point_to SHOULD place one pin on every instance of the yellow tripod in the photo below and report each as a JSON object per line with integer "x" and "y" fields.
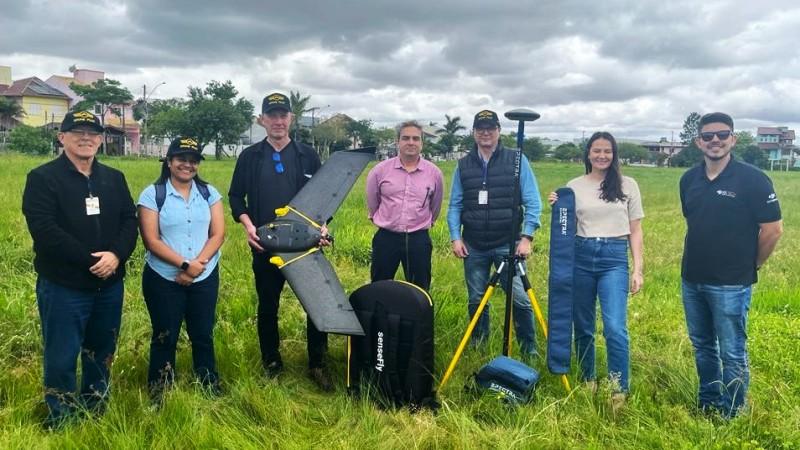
{"x": 515, "y": 263}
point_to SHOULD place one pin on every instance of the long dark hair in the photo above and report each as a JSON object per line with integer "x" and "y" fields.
{"x": 165, "y": 174}
{"x": 611, "y": 187}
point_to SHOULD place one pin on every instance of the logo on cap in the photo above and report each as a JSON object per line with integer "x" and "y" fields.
{"x": 83, "y": 116}
{"x": 486, "y": 114}
{"x": 189, "y": 143}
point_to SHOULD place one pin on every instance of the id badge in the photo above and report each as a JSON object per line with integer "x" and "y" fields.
{"x": 92, "y": 206}
{"x": 483, "y": 197}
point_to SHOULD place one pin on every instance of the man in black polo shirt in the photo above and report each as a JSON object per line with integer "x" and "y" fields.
{"x": 83, "y": 223}
{"x": 267, "y": 176}
{"x": 733, "y": 224}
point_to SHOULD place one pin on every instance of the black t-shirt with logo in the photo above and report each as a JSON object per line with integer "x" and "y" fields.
{"x": 722, "y": 218}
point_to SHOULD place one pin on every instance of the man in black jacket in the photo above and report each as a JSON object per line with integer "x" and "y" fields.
{"x": 83, "y": 223}
{"x": 267, "y": 176}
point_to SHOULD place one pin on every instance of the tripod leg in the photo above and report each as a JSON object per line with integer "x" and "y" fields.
{"x": 486, "y": 296}
{"x": 540, "y": 318}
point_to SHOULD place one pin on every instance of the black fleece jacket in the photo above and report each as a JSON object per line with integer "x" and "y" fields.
{"x": 64, "y": 236}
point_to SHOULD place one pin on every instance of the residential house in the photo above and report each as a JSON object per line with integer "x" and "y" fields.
{"x": 778, "y": 144}
{"x": 669, "y": 148}
{"x": 44, "y": 105}
{"x": 122, "y": 129}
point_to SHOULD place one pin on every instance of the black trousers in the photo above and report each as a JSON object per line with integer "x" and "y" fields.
{"x": 412, "y": 250}
{"x": 269, "y": 283}
{"x": 169, "y": 304}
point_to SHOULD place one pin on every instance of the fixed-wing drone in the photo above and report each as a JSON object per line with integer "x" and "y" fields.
{"x": 293, "y": 238}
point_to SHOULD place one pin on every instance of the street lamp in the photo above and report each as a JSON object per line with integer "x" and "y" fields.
{"x": 145, "y": 94}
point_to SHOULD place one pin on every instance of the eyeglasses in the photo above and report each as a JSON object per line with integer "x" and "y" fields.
{"x": 276, "y": 158}
{"x": 485, "y": 130}
{"x": 81, "y": 133}
{"x": 708, "y": 136}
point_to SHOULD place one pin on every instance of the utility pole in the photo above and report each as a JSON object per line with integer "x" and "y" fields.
{"x": 147, "y": 112}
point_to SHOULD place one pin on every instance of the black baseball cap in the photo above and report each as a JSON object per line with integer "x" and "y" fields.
{"x": 486, "y": 119}
{"x": 183, "y": 145}
{"x": 275, "y": 101}
{"x": 715, "y": 117}
{"x": 76, "y": 119}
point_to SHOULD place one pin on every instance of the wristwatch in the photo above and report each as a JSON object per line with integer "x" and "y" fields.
{"x": 185, "y": 264}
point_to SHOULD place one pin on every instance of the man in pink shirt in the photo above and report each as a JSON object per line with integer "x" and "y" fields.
{"x": 404, "y": 197}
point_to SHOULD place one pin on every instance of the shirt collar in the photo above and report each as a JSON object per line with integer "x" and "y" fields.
{"x": 172, "y": 191}
{"x": 399, "y": 165}
{"x": 726, "y": 172}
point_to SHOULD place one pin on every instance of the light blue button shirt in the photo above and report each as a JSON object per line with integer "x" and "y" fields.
{"x": 183, "y": 225}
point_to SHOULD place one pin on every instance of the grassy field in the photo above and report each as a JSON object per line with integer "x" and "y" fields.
{"x": 291, "y": 413}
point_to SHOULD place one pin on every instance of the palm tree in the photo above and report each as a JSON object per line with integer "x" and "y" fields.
{"x": 9, "y": 111}
{"x": 299, "y": 104}
{"x": 449, "y": 138}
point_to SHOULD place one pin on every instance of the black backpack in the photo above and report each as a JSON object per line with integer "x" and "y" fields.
{"x": 395, "y": 356}
{"x": 161, "y": 192}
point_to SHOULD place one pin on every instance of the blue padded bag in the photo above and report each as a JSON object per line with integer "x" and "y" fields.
{"x": 562, "y": 261}
{"x": 513, "y": 380}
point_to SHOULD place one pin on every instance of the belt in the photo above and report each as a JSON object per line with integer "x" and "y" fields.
{"x": 603, "y": 239}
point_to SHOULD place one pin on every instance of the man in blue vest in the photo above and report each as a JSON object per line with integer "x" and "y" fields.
{"x": 480, "y": 220}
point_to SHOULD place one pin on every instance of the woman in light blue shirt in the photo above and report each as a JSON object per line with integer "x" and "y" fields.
{"x": 182, "y": 225}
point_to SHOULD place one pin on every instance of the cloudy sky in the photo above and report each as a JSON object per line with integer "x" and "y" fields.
{"x": 636, "y": 68}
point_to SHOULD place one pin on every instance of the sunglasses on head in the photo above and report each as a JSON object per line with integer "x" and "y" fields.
{"x": 708, "y": 136}
{"x": 276, "y": 158}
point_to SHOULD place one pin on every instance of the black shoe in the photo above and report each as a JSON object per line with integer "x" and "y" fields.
{"x": 273, "y": 368}
{"x": 213, "y": 389}
{"x": 320, "y": 377}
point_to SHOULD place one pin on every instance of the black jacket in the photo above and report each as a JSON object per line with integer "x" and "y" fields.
{"x": 246, "y": 187}
{"x": 64, "y": 236}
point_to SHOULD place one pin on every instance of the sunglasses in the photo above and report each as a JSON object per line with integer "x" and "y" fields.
{"x": 708, "y": 136}
{"x": 276, "y": 158}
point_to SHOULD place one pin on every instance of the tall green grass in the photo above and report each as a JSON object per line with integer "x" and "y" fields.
{"x": 291, "y": 413}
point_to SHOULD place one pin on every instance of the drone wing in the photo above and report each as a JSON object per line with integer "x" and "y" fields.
{"x": 315, "y": 284}
{"x": 326, "y": 190}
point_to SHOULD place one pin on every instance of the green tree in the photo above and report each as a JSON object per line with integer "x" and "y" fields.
{"x": 509, "y": 140}
{"x": 215, "y": 114}
{"x": 533, "y": 148}
{"x": 449, "y": 133}
{"x": 9, "y": 111}
{"x": 631, "y": 152}
{"x": 689, "y": 156}
{"x": 107, "y": 93}
{"x": 657, "y": 158}
{"x": 326, "y": 135}
{"x": 168, "y": 123}
{"x": 690, "y": 128}
{"x": 744, "y": 139}
{"x": 27, "y": 139}
{"x": 567, "y": 152}
{"x": 752, "y": 154}
{"x": 362, "y": 133}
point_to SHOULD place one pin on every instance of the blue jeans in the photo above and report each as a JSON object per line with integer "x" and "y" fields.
{"x": 477, "y": 266}
{"x": 601, "y": 271}
{"x": 169, "y": 304}
{"x": 716, "y": 318}
{"x": 77, "y": 322}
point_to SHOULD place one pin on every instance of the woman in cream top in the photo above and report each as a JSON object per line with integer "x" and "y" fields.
{"x": 608, "y": 208}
